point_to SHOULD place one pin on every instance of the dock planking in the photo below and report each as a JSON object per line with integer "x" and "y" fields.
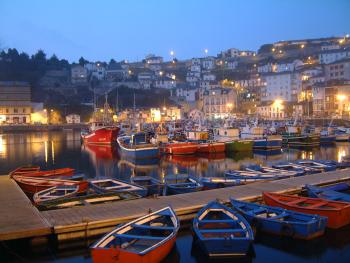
{"x": 86, "y": 221}
{"x": 18, "y": 217}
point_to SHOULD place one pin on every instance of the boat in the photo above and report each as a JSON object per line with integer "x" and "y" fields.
{"x": 221, "y": 232}
{"x": 100, "y": 133}
{"x": 212, "y": 182}
{"x": 149, "y": 238}
{"x": 317, "y": 165}
{"x": 180, "y": 184}
{"x": 24, "y": 170}
{"x": 181, "y": 148}
{"x": 320, "y": 192}
{"x": 268, "y": 142}
{"x": 86, "y": 199}
{"x": 270, "y": 170}
{"x": 211, "y": 147}
{"x": 55, "y": 193}
{"x": 116, "y": 186}
{"x": 49, "y": 173}
{"x": 280, "y": 221}
{"x": 138, "y": 146}
{"x": 300, "y": 140}
{"x": 338, "y": 213}
{"x": 254, "y": 175}
{"x": 153, "y": 185}
{"x": 289, "y": 166}
{"x": 239, "y": 145}
{"x": 32, "y": 185}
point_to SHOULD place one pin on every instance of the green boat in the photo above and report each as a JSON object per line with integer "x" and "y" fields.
{"x": 297, "y": 140}
{"x": 239, "y": 146}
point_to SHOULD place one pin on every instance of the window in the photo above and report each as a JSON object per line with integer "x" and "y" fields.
{"x": 15, "y": 110}
{"x": 7, "y": 110}
{"x": 24, "y": 110}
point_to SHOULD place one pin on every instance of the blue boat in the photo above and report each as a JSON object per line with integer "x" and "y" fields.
{"x": 212, "y": 182}
{"x": 253, "y": 176}
{"x": 221, "y": 232}
{"x": 320, "y": 192}
{"x": 327, "y": 139}
{"x": 296, "y": 167}
{"x": 138, "y": 146}
{"x": 321, "y": 165}
{"x": 282, "y": 222}
{"x": 116, "y": 186}
{"x": 153, "y": 185}
{"x": 180, "y": 184}
{"x": 272, "y": 142}
{"x": 270, "y": 170}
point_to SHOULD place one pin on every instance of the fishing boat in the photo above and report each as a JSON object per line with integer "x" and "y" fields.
{"x": 338, "y": 213}
{"x": 221, "y": 232}
{"x": 239, "y": 145}
{"x": 320, "y": 192}
{"x": 153, "y": 185}
{"x": 149, "y": 238}
{"x": 180, "y": 184}
{"x": 48, "y": 173}
{"x": 100, "y": 133}
{"x": 86, "y": 199}
{"x": 181, "y": 148}
{"x": 288, "y": 166}
{"x": 31, "y": 185}
{"x": 317, "y": 165}
{"x": 280, "y": 221}
{"x": 211, "y": 147}
{"x": 138, "y": 146}
{"x": 299, "y": 140}
{"x": 268, "y": 142}
{"x": 25, "y": 169}
{"x": 116, "y": 186}
{"x": 55, "y": 193}
{"x": 326, "y": 138}
{"x": 270, "y": 170}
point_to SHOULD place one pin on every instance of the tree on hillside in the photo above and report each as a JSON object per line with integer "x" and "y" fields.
{"x": 82, "y": 61}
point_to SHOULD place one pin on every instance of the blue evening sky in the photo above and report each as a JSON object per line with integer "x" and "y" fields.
{"x": 130, "y": 29}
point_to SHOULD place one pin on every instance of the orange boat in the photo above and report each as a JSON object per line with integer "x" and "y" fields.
{"x": 211, "y": 147}
{"x": 338, "y": 213}
{"x": 31, "y": 185}
{"x": 49, "y": 173}
{"x": 181, "y": 148}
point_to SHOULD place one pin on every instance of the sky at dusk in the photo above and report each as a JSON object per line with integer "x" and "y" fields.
{"x": 102, "y": 29}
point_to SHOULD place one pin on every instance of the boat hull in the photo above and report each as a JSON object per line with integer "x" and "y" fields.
{"x": 301, "y": 140}
{"x": 181, "y": 148}
{"x": 336, "y": 218}
{"x": 239, "y": 146}
{"x": 104, "y": 136}
{"x": 267, "y": 144}
{"x": 224, "y": 248}
{"x": 327, "y": 139}
{"x": 215, "y": 147}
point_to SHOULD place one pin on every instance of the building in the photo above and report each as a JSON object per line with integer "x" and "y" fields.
{"x": 337, "y": 99}
{"x": 318, "y": 99}
{"x": 330, "y": 56}
{"x": 116, "y": 71}
{"x": 231, "y": 63}
{"x": 282, "y": 86}
{"x": 153, "y": 59}
{"x": 185, "y": 93}
{"x": 79, "y": 74}
{"x": 99, "y": 73}
{"x": 273, "y": 110}
{"x": 208, "y": 63}
{"x": 73, "y": 118}
{"x": 145, "y": 79}
{"x": 339, "y": 69}
{"x": 165, "y": 83}
{"x": 209, "y": 77}
{"x": 195, "y": 65}
{"x": 15, "y": 102}
{"x": 219, "y": 102}
{"x": 280, "y": 66}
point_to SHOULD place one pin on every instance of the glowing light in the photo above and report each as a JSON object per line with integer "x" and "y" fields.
{"x": 172, "y": 53}
{"x": 273, "y": 49}
{"x": 206, "y": 51}
{"x": 229, "y": 105}
{"x": 45, "y": 145}
{"x": 341, "y": 97}
{"x": 302, "y": 46}
{"x": 3, "y": 150}
{"x": 101, "y": 110}
{"x": 53, "y": 151}
{"x": 164, "y": 108}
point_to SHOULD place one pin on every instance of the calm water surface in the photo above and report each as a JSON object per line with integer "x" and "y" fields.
{"x": 62, "y": 149}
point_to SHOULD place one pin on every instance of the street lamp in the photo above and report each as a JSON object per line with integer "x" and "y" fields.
{"x": 206, "y": 51}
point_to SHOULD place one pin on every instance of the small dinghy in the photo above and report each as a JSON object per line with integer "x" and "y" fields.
{"x": 153, "y": 185}
{"x": 320, "y": 192}
{"x": 149, "y": 238}
{"x": 117, "y": 186}
{"x": 282, "y": 222}
{"x": 317, "y": 165}
{"x": 221, "y": 232}
{"x": 269, "y": 170}
{"x": 296, "y": 167}
{"x": 24, "y": 170}
{"x": 211, "y": 182}
{"x": 55, "y": 193}
{"x": 180, "y": 184}
{"x": 34, "y": 172}
{"x": 254, "y": 175}
{"x": 338, "y": 213}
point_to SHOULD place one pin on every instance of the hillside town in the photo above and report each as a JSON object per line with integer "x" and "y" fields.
{"x": 306, "y": 78}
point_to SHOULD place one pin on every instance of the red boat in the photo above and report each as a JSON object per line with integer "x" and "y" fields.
{"x": 48, "y": 173}
{"x": 338, "y": 213}
{"x": 100, "y": 134}
{"x": 31, "y": 185}
{"x": 211, "y": 147}
{"x": 25, "y": 170}
{"x": 181, "y": 148}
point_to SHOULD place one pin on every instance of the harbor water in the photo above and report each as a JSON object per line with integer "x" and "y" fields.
{"x": 63, "y": 149}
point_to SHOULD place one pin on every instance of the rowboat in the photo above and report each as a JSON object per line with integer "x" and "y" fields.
{"x": 317, "y": 165}
{"x": 296, "y": 167}
{"x": 270, "y": 170}
{"x": 49, "y": 173}
{"x": 153, "y": 185}
{"x": 279, "y": 221}
{"x": 116, "y": 186}
{"x": 25, "y": 169}
{"x": 210, "y": 182}
{"x": 31, "y": 185}
{"x": 255, "y": 175}
{"x": 320, "y": 192}
{"x": 181, "y": 148}
{"x": 55, "y": 193}
{"x": 88, "y": 199}
{"x": 149, "y": 238}
{"x": 211, "y": 147}
{"x": 180, "y": 184}
{"x": 338, "y": 213}
{"x": 221, "y": 232}
{"x": 138, "y": 146}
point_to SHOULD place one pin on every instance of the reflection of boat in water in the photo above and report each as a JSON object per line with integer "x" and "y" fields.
{"x": 142, "y": 164}
{"x": 183, "y": 160}
{"x": 101, "y": 151}
{"x": 268, "y": 152}
{"x": 237, "y": 156}
{"x": 213, "y": 156}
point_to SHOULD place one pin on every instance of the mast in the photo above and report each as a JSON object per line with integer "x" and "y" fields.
{"x": 134, "y": 111}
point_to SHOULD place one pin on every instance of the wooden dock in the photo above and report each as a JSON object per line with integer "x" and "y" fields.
{"x": 88, "y": 221}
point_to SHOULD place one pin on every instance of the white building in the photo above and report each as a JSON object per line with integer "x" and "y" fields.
{"x": 73, "y": 118}
{"x": 280, "y": 66}
{"x": 99, "y": 73}
{"x": 153, "y": 59}
{"x": 208, "y": 63}
{"x": 187, "y": 93}
{"x": 330, "y": 56}
{"x": 231, "y": 63}
{"x": 339, "y": 69}
{"x": 208, "y": 77}
{"x": 195, "y": 65}
{"x": 318, "y": 99}
{"x": 165, "y": 83}
{"x": 272, "y": 110}
{"x": 145, "y": 79}
{"x": 281, "y": 86}
{"x": 330, "y": 47}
